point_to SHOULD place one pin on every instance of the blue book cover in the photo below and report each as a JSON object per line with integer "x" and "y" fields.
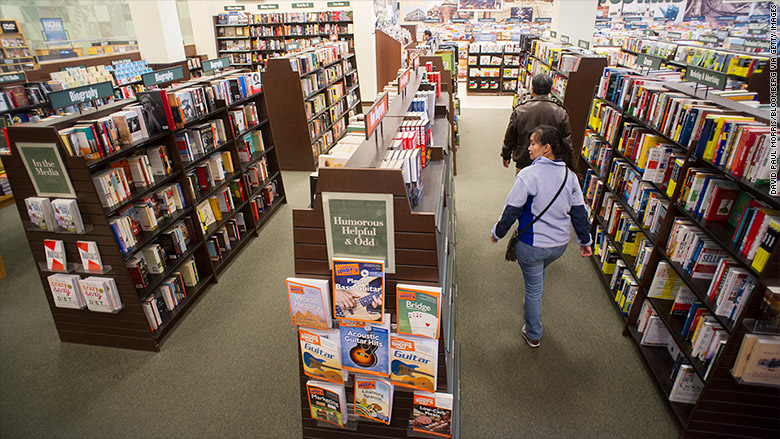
{"x": 688, "y": 320}
{"x": 365, "y": 348}
{"x": 358, "y": 288}
{"x": 706, "y": 132}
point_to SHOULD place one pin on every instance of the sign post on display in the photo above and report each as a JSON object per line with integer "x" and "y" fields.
{"x": 163, "y": 76}
{"x": 217, "y": 63}
{"x": 403, "y": 81}
{"x": 375, "y": 115}
{"x": 79, "y": 95}
{"x": 649, "y": 61}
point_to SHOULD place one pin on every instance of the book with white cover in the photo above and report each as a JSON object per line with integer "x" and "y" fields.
{"x": 90, "y": 256}
{"x": 65, "y": 291}
{"x": 309, "y": 302}
{"x": 687, "y": 385}
{"x": 56, "y": 259}
{"x": 67, "y": 215}
{"x": 41, "y": 213}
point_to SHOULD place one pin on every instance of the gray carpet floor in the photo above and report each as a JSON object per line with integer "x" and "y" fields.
{"x": 229, "y": 368}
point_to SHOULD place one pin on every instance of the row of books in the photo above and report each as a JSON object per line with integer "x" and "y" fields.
{"x": 409, "y": 161}
{"x": 494, "y": 47}
{"x": 23, "y": 95}
{"x": 61, "y": 214}
{"x": 487, "y": 72}
{"x": 596, "y": 151}
{"x": 319, "y": 57}
{"x": 171, "y": 292}
{"x": 757, "y": 359}
{"x": 56, "y": 257}
{"x": 98, "y": 138}
{"x": 97, "y": 294}
{"x": 200, "y": 139}
{"x": 282, "y": 17}
{"x": 145, "y": 215}
{"x": 225, "y": 237}
{"x": 224, "y": 201}
{"x": 249, "y": 145}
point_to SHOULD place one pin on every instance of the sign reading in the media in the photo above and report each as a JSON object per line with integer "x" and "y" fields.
{"x": 375, "y": 114}
{"x": 582, "y": 44}
{"x": 79, "y": 95}
{"x": 564, "y": 39}
{"x": 543, "y": 20}
{"x": 337, "y": 4}
{"x": 234, "y": 7}
{"x": 268, "y": 6}
{"x": 163, "y": 76}
{"x": 460, "y": 20}
{"x": 757, "y": 44}
{"x": 13, "y": 77}
{"x": 46, "y": 169}
{"x": 9, "y": 27}
{"x": 707, "y": 77}
{"x": 487, "y": 20}
{"x": 553, "y": 34}
{"x": 214, "y": 64}
{"x": 120, "y": 61}
{"x": 403, "y": 80}
{"x": 649, "y": 61}
{"x": 303, "y": 5}
{"x": 674, "y": 36}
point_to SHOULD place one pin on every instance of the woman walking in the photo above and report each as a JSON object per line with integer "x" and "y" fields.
{"x": 545, "y": 197}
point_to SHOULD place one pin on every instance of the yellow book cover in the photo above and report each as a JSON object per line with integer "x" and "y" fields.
{"x": 594, "y": 120}
{"x": 712, "y": 144}
{"x": 649, "y": 141}
{"x": 321, "y": 354}
{"x": 214, "y": 202}
{"x": 227, "y": 162}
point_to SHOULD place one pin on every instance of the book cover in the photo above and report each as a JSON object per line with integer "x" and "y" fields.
{"x": 374, "y": 399}
{"x": 359, "y": 287}
{"x": 419, "y": 310}
{"x": 100, "y": 294}
{"x": 55, "y": 254}
{"x": 432, "y": 413}
{"x": 90, "y": 256}
{"x": 321, "y": 354}
{"x": 687, "y": 385}
{"x": 309, "y": 302}
{"x": 327, "y": 402}
{"x": 40, "y": 212}
{"x": 414, "y": 362}
{"x": 365, "y": 347}
{"x": 65, "y": 291}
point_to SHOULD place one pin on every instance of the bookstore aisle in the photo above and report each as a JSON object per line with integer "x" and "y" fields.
{"x": 586, "y": 380}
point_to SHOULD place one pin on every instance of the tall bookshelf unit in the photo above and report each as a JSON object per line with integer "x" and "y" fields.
{"x": 300, "y": 143}
{"x": 15, "y": 53}
{"x": 505, "y": 74}
{"x": 424, "y": 251}
{"x": 129, "y": 327}
{"x": 725, "y": 407}
{"x": 265, "y": 35}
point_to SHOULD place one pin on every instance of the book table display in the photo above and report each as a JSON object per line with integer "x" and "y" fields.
{"x": 202, "y": 186}
{"x": 423, "y": 260}
{"x": 685, "y": 242}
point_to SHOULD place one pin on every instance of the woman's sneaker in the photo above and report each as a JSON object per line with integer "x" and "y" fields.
{"x": 532, "y": 343}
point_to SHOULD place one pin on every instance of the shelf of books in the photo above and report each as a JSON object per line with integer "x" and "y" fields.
{"x": 569, "y": 70}
{"x": 314, "y": 95}
{"x": 136, "y": 208}
{"x": 685, "y": 239}
{"x": 251, "y": 39}
{"x": 493, "y": 67}
{"x": 387, "y": 365}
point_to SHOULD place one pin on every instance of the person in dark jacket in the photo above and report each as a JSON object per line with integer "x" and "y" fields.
{"x": 539, "y": 110}
{"x": 545, "y": 240}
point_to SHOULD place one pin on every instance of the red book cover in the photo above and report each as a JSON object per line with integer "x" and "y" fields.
{"x": 203, "y": 179}
{"x": 746, "y": 145}
{"x": 722, "y": 202}
{"x": 752, "y": 231}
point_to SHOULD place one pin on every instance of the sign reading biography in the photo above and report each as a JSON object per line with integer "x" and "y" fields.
{"x": 46, "y": 169}
{"x": 163, "y": 76}
{"x": 375, "y": 114}
{"x": 217, "y": 63}
{"x": 268, "y": 6}
{"x": 707, "y": 77}
{"x": 359, "y": 226}
{"x": 79, "y": 95}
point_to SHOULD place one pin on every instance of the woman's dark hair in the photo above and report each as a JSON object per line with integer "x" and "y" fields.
{"x": 427, "y": 33}
{"x": 547, "y": 134}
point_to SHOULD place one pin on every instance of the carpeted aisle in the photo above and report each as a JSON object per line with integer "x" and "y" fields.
{"x": 586, "y": 380}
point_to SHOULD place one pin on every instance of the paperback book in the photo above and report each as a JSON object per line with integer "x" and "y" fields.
{"x": 361, "y": 284}
{"x": 41, "y": 213}
{"x": 65, "y": 291}
{"x": 101, "y": 294}
{"x": 327, "y": 402}
{"x": 419, "y": 310}
{"x": 414, "y": 362}
{"x": 365, "y": 347}
{"x": 432, "y": 413}
{"x": 374, "y": 399}
{"x": 321, "y": 354}
{"x": 309, "y": 302}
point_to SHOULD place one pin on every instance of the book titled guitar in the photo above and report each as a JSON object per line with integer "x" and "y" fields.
{"x": 364, "y": 281}
{"x": 414, "y": 362}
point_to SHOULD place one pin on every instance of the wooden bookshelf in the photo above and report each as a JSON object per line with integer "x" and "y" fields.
{"x": 286, "y": 100}
{"x": 725, "y": 408}
{"x": 503, "y": 76}
{"x": 389, "y": 58}
{"x": 424, "y": 251}
{"x": 129, "y": 328}
{"x": 16, "y": 55}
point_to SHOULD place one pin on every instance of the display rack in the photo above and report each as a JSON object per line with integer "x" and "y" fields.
{"x": 725, "y": 408}
{"x": 129, "y": 327}
{"x": 424, "y": 253}
{"x": 506, "y": 71}
{"x": 299, "y": 149}
{"x": 16, "y": 54}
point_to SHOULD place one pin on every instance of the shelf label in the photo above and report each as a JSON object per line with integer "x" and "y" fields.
{"x": 553, "y": 34}
{"x": 79, "y": 95}
{"x": 564, "y": 39}
{"x": 316, "y": 41}
{"x": 13, "y": 77}
{"x": 46, "y": 169}
{"x": 431, "y": 20}
{"x": 487, "y": 20}
{"x": 375, "y": 115}
{"x": 543, "y": 20}
{"x": 632, "y": 18}
{"x": 726, "y": 18}
{"x": 163, "y": 76}
{"x": 460, "y": 20}
{"x": 120, "y": 61}
{"x": 485, "y": 37}
{"x": 514, "y": 20}
{"x": 709, "y": 78}
{"x": 757, "y": 44}
{"x": 674, "y": 36}
{"x": 757, "y": 31}
{"x": 649, "y": 61}
{"x": 337, "y": 4}
{"x": 659, "y": 19}
{"x": 303, "y": 5}
{"x": 360, "y": 226}
{"x": 234, "y": 7}
{"x": 292, "y": 46}
{"x": 694, "y": 18}
{"x": 9, "y": 27}
{"x": 217, "y": 63}
{"x": 763, "y": 18}
{"x": 416, "y": 62}
{"x": 403, "y": 80}
{"x": 713, "y": 39}
{"x": 582, "y": 44}
{"x": 268, "y": 6}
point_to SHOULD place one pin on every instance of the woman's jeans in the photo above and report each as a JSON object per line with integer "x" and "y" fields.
{"x": 533, "y": 261}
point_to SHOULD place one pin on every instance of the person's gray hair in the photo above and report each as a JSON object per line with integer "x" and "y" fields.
{"x": 541, "y": 84}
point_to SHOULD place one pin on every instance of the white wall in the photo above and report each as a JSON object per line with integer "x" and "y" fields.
{"x": 575, "y": 18}
{"x": 159, "y": 37}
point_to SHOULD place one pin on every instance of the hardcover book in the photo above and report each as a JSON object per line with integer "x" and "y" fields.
{"x": 90, "y": 256}
{"x": 360, "y": 283}
{"x": 419, "y": 310}
{"x": 374, "y": 399}
{"x": 321, "y": 354}
{"x": 40, "y": 212}
{"x": 65, "y": 291}
{"x": 432, "y": 413}
{"x": 687, "y": 385}
{"x": 414, "y": 362}
{"x": 327, "y": 402}
{"x": 309, "y": 302}
{"x": 365, "y": 347}
{"x": 55, "y": 254}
